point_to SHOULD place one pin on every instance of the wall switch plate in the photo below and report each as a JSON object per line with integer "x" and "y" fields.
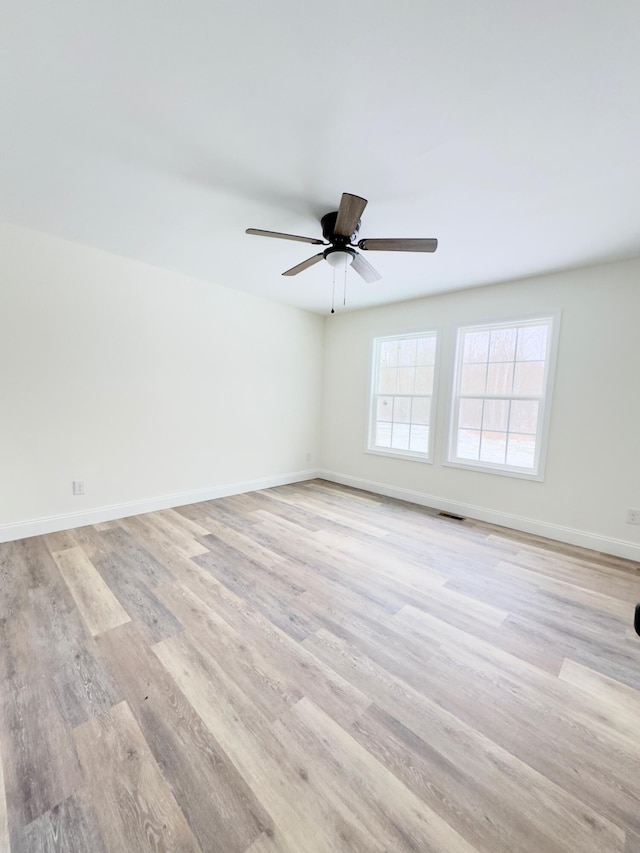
{"x": 633, "y": 516}
{"x": 78, "y": 487}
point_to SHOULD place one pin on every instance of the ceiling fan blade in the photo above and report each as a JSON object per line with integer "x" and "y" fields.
{"x": 349, "y": 213}
{"x": 305, "y": 264}
{"x": 260, "y": 233}
{"x": 400, "y": 245}
{"x": 365, "y": 270}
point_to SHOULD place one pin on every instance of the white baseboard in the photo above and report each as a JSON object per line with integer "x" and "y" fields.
{"x": 571, "y": 536}
{"x": 67, "y": 521}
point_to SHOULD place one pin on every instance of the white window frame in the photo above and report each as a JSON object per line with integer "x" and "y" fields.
{"x": 397, "y": 453}
{"x": 544, "y": 400}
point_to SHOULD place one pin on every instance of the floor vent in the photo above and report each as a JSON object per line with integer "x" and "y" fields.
{"x": 451, "y": 516}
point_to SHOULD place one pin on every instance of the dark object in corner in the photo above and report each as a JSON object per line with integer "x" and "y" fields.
{"x": 636, "y": 621}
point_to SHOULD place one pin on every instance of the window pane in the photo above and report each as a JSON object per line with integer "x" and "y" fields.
{"x": 476, "y": 347}
{"x": 496, "y": 415}
{"x": 400, "y": 436}
{"x": 470, "y": 414}
{"x": 426, "y": 350}
{"x": 383, "y": 434}
{"x": 406, "y": 377}
{"x": 524, "y": 416}
{"x": 474, "y": 378}
{"x": 521, "y": 450}
{"x": 493, "y": 447}
{"x": 529, "y": 378}
{"x": 387, "y": 380}
{"x": 403, "y": 386}
{"x": 532, "y": 343}
{"x": 401, "y": 410}
{"x": 503, "y": 345}
{"x": 407, "y": 352}
{"x": 388, "y": 353}
{"x": 384, "y": 409}
{"x": 499, "y": 378}
{"x": 499, "y": 390}
{"x": 424, "y": 380}
{"x": 420, "y": 410}
{"x": 419, "y": 440}
{"x": 468, "y": 444}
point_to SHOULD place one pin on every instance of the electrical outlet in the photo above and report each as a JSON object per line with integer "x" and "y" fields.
{"x": 633, "y": 516}
{"x": 309, "y": 456}
{"x": 78, "y": 487}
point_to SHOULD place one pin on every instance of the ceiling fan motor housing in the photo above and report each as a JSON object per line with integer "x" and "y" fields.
{"x": 328, "y": 223}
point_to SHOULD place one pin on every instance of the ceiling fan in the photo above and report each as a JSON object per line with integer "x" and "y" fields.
{"x": 340, "y": 232}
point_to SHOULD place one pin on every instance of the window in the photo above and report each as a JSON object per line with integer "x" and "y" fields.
{"x": 500, "y": 399}
{"x": 401, "y": 398}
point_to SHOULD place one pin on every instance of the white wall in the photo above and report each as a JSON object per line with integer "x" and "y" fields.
{"x": 593, "y": 461}
{"x": 142, "y": 383}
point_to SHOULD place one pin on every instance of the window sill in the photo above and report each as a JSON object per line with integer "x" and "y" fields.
{"x": 399, "y": 454}
{"x": 501, "y": 470}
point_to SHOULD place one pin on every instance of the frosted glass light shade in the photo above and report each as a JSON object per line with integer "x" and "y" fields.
{"x": 339, "y": 259}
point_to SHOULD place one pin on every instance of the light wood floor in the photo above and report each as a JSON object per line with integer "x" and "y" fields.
{"x": 312, "y": 669}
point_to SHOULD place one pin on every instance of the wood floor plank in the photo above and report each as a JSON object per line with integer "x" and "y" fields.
{"x": 535, "y": 716}
{"x": 518, "y": 804}
{"x": 260, "y": 588}
{"x": 595, "y": 578}
{"x": 230, "y": 817}
{"x": 90, "y": 539}
{"x": 506, "y": 575}
{"x": 271, "y": 843}
{"x": 519, "y": 807}
{"x": 345, "y": 549}
{"x": 48, "y": 646}
{"x": 633, "y": 843}
{"x": 4, "y": 824}
{"x": 396, "y": 818}
{"x": 270, "y": 689}
{"x": 61, "y": 540}
{"x": 158, "y": 539}
{"x": 617, "y": 700}
{"x": 25, "y": 565}
{"x": 45, "y": 644}
{"x": 381, "y": 641}
{"x": 175, "y": 528}
{"x": 159, "y": 544}
{"x": 135, "y": 807}
{"x": 131, "y": 551}
{"x": 353, "y": 570}
{"x": 40, "y": 763}
{"x": 268, "y": 566}
{"x": 69, "y": 827}
{"x": 137, "y": 597}
{"x": 311, "y": 676}
{"x": 196, "y": 530}
{"x": 99, "y": 607}
{"x": 306, "y": 813}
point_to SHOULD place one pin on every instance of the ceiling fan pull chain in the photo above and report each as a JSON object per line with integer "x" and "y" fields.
{"x": 333, "y": 292}
{"x": 344, "y": 297}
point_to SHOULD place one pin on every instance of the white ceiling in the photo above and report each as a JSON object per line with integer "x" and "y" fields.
{"x": 160, "y": 131}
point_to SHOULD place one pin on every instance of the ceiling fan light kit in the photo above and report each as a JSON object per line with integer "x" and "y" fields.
{"x": 339, "y": 258}
{"x": 340, "y": 231}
